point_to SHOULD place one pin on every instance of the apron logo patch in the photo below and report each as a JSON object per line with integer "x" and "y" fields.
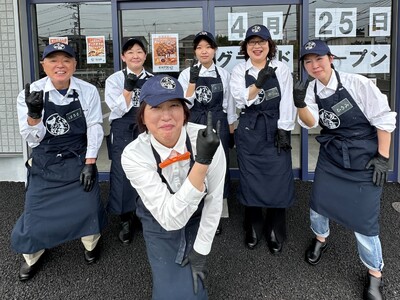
{"x": 271, "y": 93}
{"x": 261, "y": 97}
{"x": 57, "y": 125}
{"x": 216, "y": 87}
{"x": 203, "y": 94}
{"x": 73, "y": 115}
{"x": 135, "y": 97}
{"x": 341, "y": 107}
{"x": 329, "y": 119}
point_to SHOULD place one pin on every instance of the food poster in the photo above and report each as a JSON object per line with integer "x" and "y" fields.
{"x": 58, "y": 39}
{"x": 96, "y": 49}
{"x": 165, "y": 52}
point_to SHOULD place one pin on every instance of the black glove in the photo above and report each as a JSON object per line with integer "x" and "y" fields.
{"x": 381, "y": 168}
{"x": 282, "y": 140}
{"x": 299, "y": 93}
{"x": 207, "y": 142}
{"x": 231, "y": 143}
{"x": 130, "y": 82}
{"x": 266, "y": 73}
{"x": 88, "y": 176}
{"x": 34, "y": 102}
{"x": 198, "y": 265}
{"x": 194, "y": 73}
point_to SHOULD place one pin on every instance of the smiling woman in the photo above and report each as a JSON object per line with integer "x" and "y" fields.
{"x": 180, "y": 199}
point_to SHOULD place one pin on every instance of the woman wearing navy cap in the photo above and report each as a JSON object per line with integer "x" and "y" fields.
{"x": 206, "y": 86}
{"x": 60, "y": 118}
{"x": 122, "y": 97}
{"x": 353, "y": 159}
{"x": 178, "y": 169}
{"x": 262, "y": 87}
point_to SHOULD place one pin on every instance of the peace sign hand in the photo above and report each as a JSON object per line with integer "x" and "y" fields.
{"x": 299, "y": 93}
{"x": 265, "y": 73}
{"x": 34, "y": 102}
{"x": 194, "y": 72}
{"x": 207, "y": 142}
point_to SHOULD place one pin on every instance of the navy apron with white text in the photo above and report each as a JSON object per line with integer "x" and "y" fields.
{"x": 266, "y": 177}
{"x": 209, "y": 97}
{"x": 122, "y": 197}
{"x": 167, "y": 249}
{"x": 57, "y": 209}
{"x": 343, "y": 189}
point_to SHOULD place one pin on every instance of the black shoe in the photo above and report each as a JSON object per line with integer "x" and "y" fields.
{"x": 26, "y": 272}
{"x": 219, "y": 229}
{"x": 273, "y": 245}
{"x": 92, "y": 256}
{"x": 373, "y": 288}
{"x": 314, "y": 252}
{"x": 251, "y": 238}
{"x": 126, "y": 233}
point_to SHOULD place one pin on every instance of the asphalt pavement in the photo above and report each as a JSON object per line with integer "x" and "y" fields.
{"x": 234, "y": 271}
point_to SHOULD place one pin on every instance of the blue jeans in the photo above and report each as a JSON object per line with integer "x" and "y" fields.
{"x": 369, "y": 247}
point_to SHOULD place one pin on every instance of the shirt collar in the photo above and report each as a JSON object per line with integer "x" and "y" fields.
{"x": 205, "y": 70}
{"x": 163, "y": 151}
{"x": 332, "y": 84}
{"x": 128, "y": 71}
{"x": 72, "y": 85}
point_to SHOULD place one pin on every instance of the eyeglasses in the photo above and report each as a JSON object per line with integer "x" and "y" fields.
{"x": 252, "y": 43}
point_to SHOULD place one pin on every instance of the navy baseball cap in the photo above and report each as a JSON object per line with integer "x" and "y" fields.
{"x": 58, "y": 47}
{"x": 205, "y": 35}
{"x": 129, "y": 43}
{"x": 317, "y": 47}
{"x": 161, "y": 88}
{"x": 258, "y": 30}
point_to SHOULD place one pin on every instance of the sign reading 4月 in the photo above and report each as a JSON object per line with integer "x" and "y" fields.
{"x": 238, "y": 24}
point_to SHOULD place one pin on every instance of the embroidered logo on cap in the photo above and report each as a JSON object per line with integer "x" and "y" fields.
{"x": 256, "y": 28}
{"x": 59, "y": 46}
{"x": 167, "y": 83}
{"x": 203, "y": 33}
{"x": 310, "y": 45}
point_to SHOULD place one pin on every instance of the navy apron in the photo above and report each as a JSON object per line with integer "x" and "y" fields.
{"x": 122, "y": 196}
{"x": 167, "y": 249}
{"x": 209, "y": 95}
{"x": 266, "y": 177}
{"x": 57, "y": 209}
{"x": 343, "y": 189}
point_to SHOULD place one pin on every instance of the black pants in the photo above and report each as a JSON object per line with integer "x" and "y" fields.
{"x": 275, "y": 220}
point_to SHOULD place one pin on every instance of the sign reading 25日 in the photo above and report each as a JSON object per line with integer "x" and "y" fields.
{"x": 342, "y": 22}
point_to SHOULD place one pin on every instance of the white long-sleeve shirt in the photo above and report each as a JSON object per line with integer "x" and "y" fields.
{"x": 228, "y": 103}
{"x": 173, "y": 211}
{"x": 90, "y": 101}
{"x": 287, "y": 110}
{"x": 113, "y": 93}
{"x": 373, "y": 104}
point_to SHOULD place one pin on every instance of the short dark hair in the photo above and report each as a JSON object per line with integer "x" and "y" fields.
{"x": 273, "y": 49}
{"x": 140, "y": 115}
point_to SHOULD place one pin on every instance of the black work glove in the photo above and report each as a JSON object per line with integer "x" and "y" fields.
{"x": 266, "y": 73}
{"x": 282, "y": 140}
{"x": 88, "y": 176}
{"x": 130, "y": 82}
{"x": 198, "y": 265}
{"x": 194, "y": 73}
{"x": 231, "y": 143}
{"x": 381, "y": 168}
{"x": 207, "y": 142}
{"x": 34, "y": 102}
{"x": 299, "y": 93}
